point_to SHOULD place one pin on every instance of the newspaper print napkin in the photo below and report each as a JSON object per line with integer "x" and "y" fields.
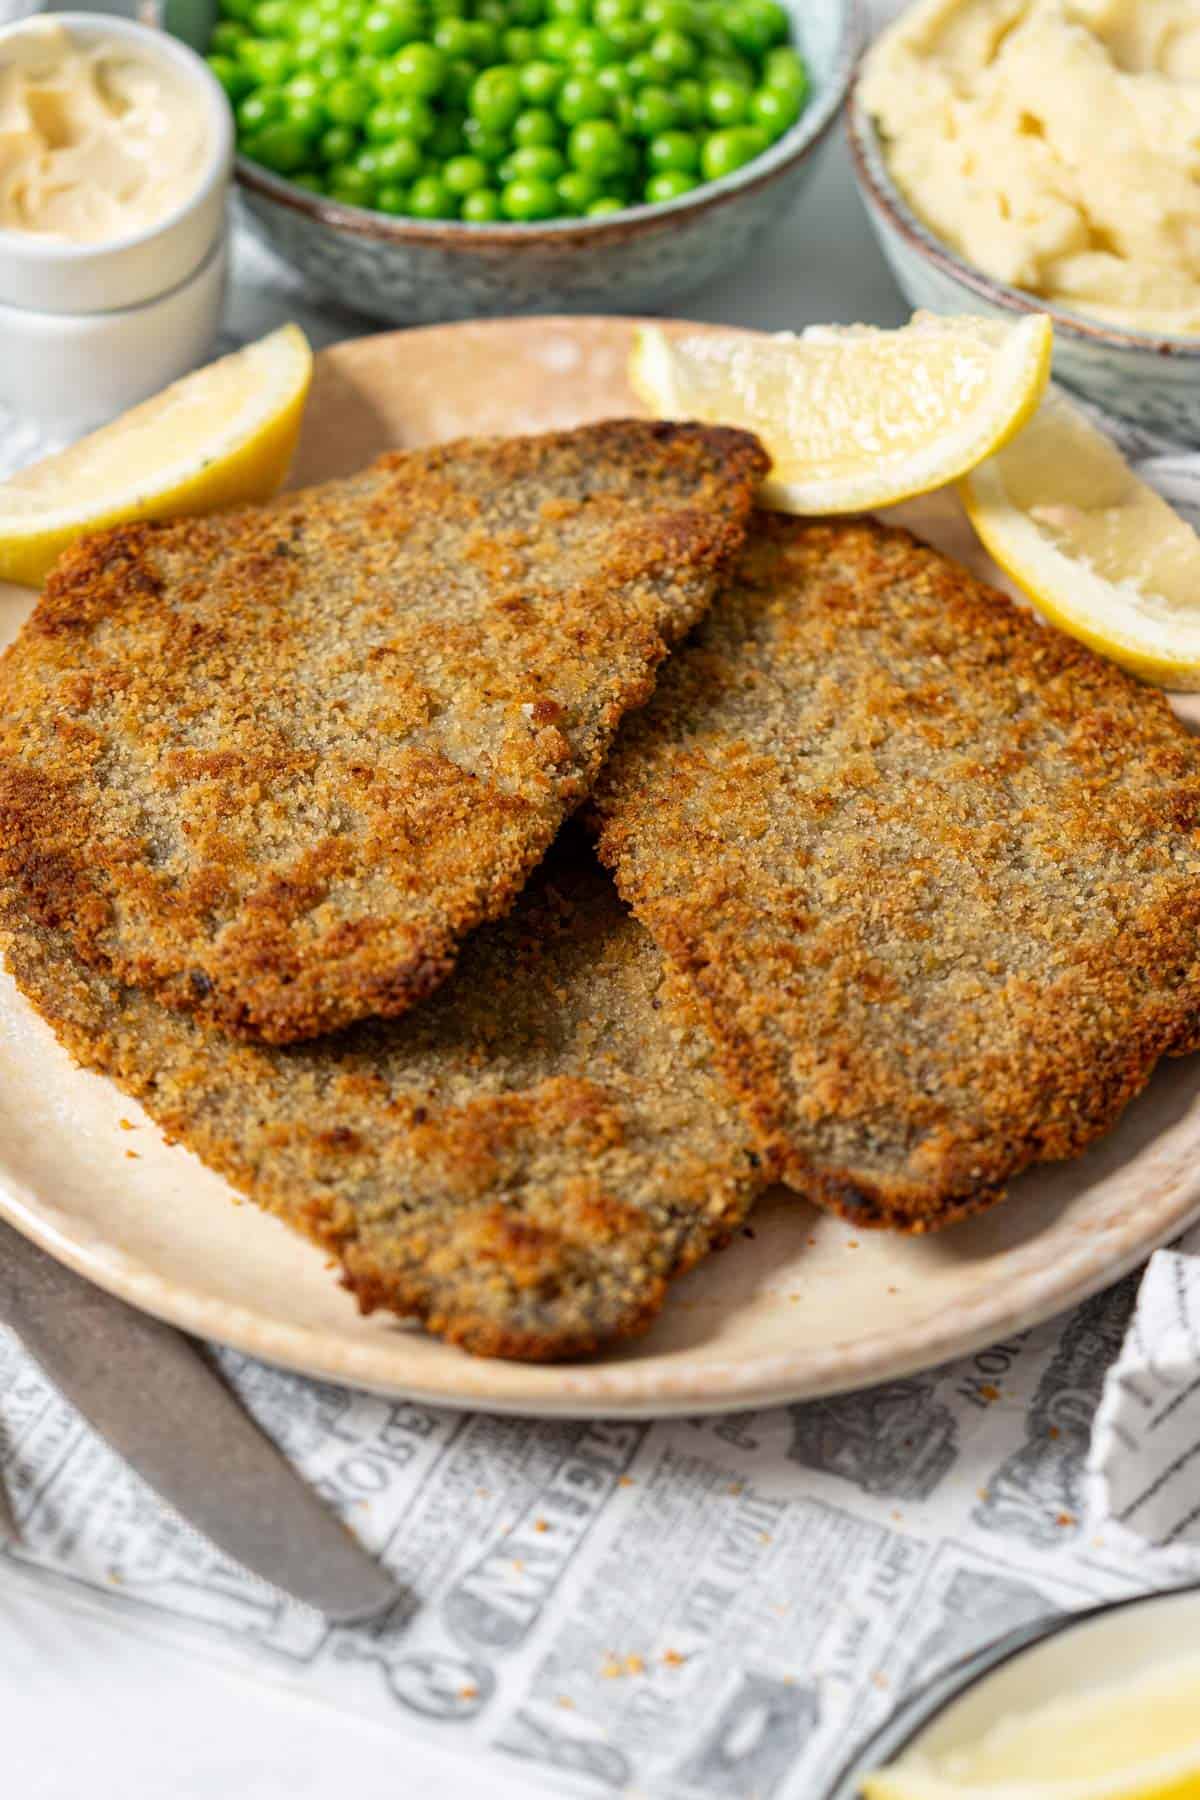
{"x": 1146, "y": 1445}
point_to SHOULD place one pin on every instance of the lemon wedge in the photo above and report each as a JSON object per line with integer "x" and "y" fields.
{"x": 1096, "y": 550}
{"x": 1137, "y": 1742}
{"x": 221, "y": 436}
{"x": 854, "y": 417}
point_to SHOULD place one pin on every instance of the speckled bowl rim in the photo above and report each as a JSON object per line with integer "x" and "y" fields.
{"x": 880, "y": 192}
{"x": 632, "y": 222}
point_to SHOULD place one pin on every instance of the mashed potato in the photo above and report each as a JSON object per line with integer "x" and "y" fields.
{"x": 1055, "y": 144}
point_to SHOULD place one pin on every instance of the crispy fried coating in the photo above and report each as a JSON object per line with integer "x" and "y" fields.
{"x": 273, "y": 765}
{"x": 521, "y": 1163}
{"x": 930, "y": 869}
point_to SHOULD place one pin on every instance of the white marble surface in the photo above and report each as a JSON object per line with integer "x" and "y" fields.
{"x": 87, "y": 1709}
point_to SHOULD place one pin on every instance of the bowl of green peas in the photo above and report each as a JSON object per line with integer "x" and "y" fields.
{"x": 425, "y": 160}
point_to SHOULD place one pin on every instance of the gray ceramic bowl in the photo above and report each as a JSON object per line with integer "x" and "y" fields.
{"x": 1152, "y": 381}
{"x": 633, "y": 261}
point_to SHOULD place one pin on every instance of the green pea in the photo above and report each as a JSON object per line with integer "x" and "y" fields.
{"x": 308, "y": 116}
{"x": 609, "y": 12}
{"x": 608, "y": 203}
{"x": 351, "y": 186}
{"x": 237, "y": 10}
{"x": 391, "y": 198}
{"x": 414, "y": 118}
{"x": 348, "y": 102}
{"x": 269, "y": 60}
{"x": 655, "y": 110}
{"x": 271, "y": 18}
{"x": 366, "y": 161}
{"x": 590, "y": 49}
{"x": 643, "y": 70}
{"x": 784, "y": 68}
{"x": 454, "y": 38}
{"x": 689, "y": 98}
{"x": 486, "y": 43}
{"x": 305, "y": 20}
{"x": 535, "y": 126}
{"x": 728, "y": 150}
{"x": 526, "y": 12}
{"x": 337, "y": 145}
{"x": 520, "y": 44}
{"x": 569, "y": 9}
{"x": 380, "y": 123}
{"x": 756, "y": 25}
{"x": 448, "y": 9}
{"x": 419, "y": 70}
{"x": 674, "y": 52}
{"x": 625, "y": 113}
{"x": 482, "y": 207}
{"x": 539, "y": 162}
{"x": 491, "y": 146}
{"x": 775, "y": 110}
{"x": 628, "y": 36}
{"x": 495, "y": 12}
{"x": 668, "y": 184}
{"x": 729, "y": 68}
{"x": 727, "y": 102}
{"x": 615, "y": 79}
{"x": 677, "y": 150}
{"x": 430, "y": 198}
{"x": 265, "y": 106}
{"x": 236, "y": 80}
{"x": 529, "y": 199}
{"x": 399, "y": 160}
{"x": 669, "y": 15}
{"x": 576, "y": 190}
{"x": 279, "y": 147}
{"x": 597, "y": 147}
{"x": 226, "y": 37}
{"x": 383, "y": 30}
{"x": 582, "y": 97}
{"x": 556, "y": 37}
{"x": 540, "y": 81}
{"x": 496, "y": 98}
{"x": 465, "y": 174}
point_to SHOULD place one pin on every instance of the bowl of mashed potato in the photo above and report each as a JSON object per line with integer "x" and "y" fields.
{"x": 1044, "y": 155}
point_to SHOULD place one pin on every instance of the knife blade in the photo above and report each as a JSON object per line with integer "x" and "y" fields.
{"x": 149, "y": 1393}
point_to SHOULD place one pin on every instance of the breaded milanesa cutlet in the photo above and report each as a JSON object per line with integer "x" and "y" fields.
{"x": 521, "y": 1163}
{"x": 930, "y": 870}
{"x": 273, "y": 765}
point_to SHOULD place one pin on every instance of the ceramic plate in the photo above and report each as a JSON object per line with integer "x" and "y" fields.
{"x": 800, "y": 1305}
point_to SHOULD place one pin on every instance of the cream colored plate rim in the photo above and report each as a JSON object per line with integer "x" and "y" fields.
{"x": 802, "y": 1308}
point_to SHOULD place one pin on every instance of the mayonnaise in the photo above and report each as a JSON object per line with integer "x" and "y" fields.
{"x": 96, "y": 142}
{"x": 1055, "y": 144}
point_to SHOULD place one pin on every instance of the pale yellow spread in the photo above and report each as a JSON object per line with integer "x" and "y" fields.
{"x": 96, "y": 142}
{"x": 1055, "y": 144}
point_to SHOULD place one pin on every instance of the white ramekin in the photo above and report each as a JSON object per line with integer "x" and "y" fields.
{"x": 68, "y": 372}
{"x": 42, "y": 275}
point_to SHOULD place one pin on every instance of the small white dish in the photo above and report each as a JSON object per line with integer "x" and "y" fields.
{"x": 45, "y": 275}
{"x": 1048, "y": 1660}
{"x": 69, "y": 372}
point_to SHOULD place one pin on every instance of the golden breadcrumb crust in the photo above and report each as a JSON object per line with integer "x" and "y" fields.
{"x": 273, "y": 765}
{"x": 930, "y": 869}
{"x": 521, "y": 1163}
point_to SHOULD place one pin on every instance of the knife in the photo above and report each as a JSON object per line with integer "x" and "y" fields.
{"x": 145, "y": 1388}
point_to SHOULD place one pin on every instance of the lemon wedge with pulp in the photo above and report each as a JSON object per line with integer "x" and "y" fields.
{"x": 221, "y": 436}
{"x": 854, "y": 417}
{"x": 1097, "y": 551}
{"x": 1137, "y": 1742}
